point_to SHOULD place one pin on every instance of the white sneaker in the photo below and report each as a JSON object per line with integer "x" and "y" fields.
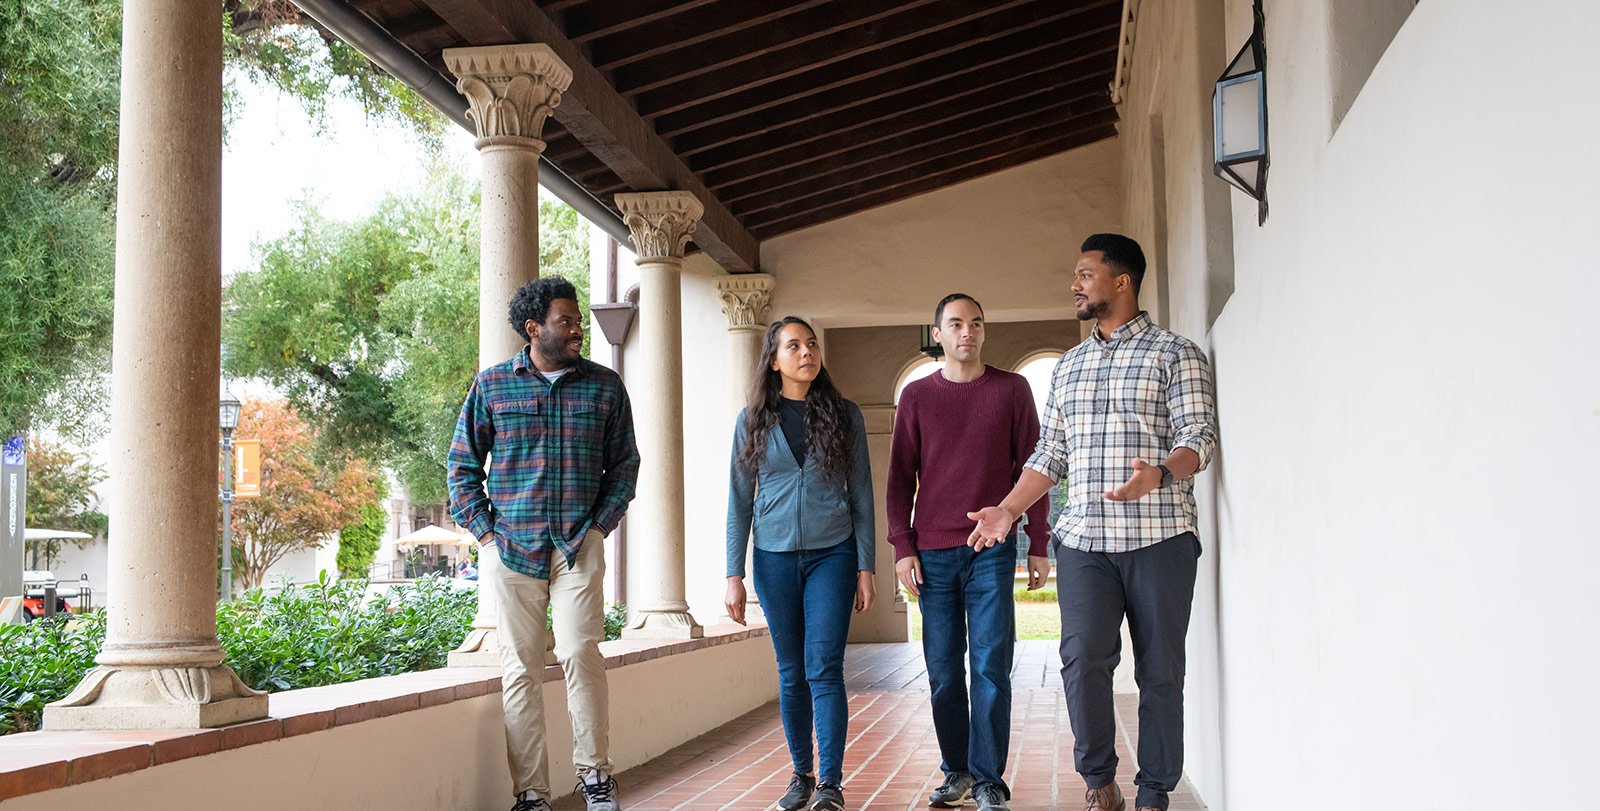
{"x": 599, "y": 791}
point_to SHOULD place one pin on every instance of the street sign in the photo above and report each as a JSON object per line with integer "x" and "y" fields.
{"x": 14, "y": 503}
{"x": 247, "y": 468}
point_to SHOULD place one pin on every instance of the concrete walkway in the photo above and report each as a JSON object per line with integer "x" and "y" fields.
{"x": 892, "y": 759}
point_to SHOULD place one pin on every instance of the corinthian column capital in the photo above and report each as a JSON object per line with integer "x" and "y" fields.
{"x": 745, "y": 297}
{"x": 510, "y": 89}
{"x": 661, "y": 222}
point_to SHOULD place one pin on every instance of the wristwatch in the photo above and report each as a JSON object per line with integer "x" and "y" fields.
{"x": 1166, "y": 476}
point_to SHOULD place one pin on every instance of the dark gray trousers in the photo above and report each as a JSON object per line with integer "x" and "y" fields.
{"x": 1154, "y": 587}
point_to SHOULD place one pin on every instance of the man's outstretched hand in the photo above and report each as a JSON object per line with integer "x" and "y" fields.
{"x": 1146, "y": 477}
{"x": 994, "y": 523}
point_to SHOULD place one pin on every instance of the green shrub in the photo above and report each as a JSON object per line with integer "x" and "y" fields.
{"x": 42, "y": 661}
{"x": 327, "y": 632}
{"x": 1039, "y": 596}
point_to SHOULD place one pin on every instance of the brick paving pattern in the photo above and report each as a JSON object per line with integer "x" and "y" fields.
{"x": 892, "y": 759}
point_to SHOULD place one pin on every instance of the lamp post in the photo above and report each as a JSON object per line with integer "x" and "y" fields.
{"x": 228, "y": 419}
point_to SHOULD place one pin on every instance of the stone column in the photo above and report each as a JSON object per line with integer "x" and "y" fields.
{"x": 744, "y": 301}
{"x": 510, "y": 90}
{"x": 662, "y": 223}
{"x": 161, "y": 666}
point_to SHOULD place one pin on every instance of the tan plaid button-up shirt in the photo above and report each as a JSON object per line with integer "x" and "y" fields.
{"x": 1141, "y": 395}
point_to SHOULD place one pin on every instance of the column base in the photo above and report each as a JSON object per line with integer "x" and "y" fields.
{"x": 157, "y": 698}
{"x": 663, "y": 625}
{"x": 481, "y": 648}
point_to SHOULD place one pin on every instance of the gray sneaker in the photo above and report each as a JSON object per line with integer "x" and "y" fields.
{"x": 955, "y": 791}
{"x": 534, "y": 803}
{"x": 991, "y": 798}
{"x": 801, "y": 787}
{"x": 599, "y": 791}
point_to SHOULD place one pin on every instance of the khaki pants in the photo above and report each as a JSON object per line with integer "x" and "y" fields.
{"x": 576, "y": 597}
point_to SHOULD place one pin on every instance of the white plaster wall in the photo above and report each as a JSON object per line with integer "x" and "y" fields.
{"x": 1408, "y": 397}
{"x": 1009, "y": 238}
{"x": 446, "y": 757}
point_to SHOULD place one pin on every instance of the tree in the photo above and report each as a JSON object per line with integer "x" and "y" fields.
{"x": 59, "y": 77}
{"x": 370, "y": 326}
{"x": 359, "y": 542}
{"x": 58, "y": 147}
{"x": 61, "y": 495}
{"x": 306, "y": 492}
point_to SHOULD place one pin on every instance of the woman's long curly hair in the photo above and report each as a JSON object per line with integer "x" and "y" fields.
{"x": 830, "y": 436}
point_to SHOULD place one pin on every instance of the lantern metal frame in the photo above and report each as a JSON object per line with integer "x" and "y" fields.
{"x": 1248, "y": 65}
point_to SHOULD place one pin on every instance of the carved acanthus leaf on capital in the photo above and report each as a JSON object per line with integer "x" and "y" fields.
{"x": 661, "y": 223}
{"x": 510, "y": 89}
{"x": 745, "y": 299}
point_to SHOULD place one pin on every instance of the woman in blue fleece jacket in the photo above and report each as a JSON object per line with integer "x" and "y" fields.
{"x": 800, "y": 485}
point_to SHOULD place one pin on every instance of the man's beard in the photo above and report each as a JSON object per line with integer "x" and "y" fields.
{"x": 1094, "y": 311}
{"x": 554, "y": 350}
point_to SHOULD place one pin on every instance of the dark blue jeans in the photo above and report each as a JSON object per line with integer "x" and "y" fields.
{"x": 966, "y": 599}
{"x": 807, "y": 597}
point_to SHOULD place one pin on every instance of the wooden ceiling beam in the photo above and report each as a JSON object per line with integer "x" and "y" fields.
{"x": 753, "y": 51}
{"x": 584, "y": 25}
{"x": 1035, "y": 112}
{"x": 710, "y": 151}
{"x": 691, "y": 30}
{"x": 945, "y": 31}
{"x": 607, "y": 126}
{"x": 1004, "y": 139}
{"x": 879, "y": 195}
{"x": 834, "y": 87}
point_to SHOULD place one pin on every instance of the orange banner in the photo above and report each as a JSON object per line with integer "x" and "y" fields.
{"x": 247, "y": 468}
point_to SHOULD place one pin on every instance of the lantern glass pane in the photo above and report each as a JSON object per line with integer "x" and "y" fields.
{"x": 1241, "y": 117}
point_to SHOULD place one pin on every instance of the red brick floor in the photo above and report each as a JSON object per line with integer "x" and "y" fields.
{"x": 892, "y": 759}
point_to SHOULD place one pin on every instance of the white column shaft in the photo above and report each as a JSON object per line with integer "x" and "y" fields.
{"x": 161, "y": 665}
{"x": 658, "y": 511}
{"x": 508, "y": 244}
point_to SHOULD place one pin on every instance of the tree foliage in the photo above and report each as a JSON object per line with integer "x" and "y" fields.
{"x": 61, "y": 495}
{"x": 307, "y": 493}
{"x": 58, "y": 148}
{"x": 370, "y": 326}
{"x": 359, "y": 542}
{"x": 59, "y": 105}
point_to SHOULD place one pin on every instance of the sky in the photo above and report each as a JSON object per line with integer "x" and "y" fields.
{"x": 275, "y": 156}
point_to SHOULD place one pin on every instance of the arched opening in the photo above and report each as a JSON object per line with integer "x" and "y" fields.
{"x": 1037, "y": 367}
{"x": 914, "y": 371}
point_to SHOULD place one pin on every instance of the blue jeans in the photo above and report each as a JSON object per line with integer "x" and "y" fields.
{"x": 967, "y": 598}
{"x": 807, "y": 597}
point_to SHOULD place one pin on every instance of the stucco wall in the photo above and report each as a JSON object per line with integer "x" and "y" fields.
{"x": 451, "y": 756}
{"x": 1010, "y": 239}
{"x": 1398, "y": 547}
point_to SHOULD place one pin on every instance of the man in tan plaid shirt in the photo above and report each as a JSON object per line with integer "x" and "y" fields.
{"x": 1130, "y": 419}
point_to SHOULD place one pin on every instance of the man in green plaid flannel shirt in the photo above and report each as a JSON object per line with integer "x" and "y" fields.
{"x": 559, "y": 431}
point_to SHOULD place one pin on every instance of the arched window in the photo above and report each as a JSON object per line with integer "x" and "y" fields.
{"x": 916, "y": 370}
{"x": 1037, "y": 368}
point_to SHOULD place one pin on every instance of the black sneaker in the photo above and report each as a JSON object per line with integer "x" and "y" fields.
{"x": 535, "y": 804}
{"x": 955, "y": 791}
{"x": 599, "y": 791}
{"x": 991, "y": 798}
{"x": 830, "y": 797}
{"x": 800, "y": 788}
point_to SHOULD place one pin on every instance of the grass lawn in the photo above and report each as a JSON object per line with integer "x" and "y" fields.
{"x": 1034, "y": 621}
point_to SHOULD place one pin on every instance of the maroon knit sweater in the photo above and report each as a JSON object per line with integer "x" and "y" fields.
{"x": 959, "y": 447}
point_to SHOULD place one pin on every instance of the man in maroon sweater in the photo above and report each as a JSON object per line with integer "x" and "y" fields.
{"x": 949, "y": 430}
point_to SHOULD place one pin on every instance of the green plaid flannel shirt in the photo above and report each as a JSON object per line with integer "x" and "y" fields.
{"x": 562, "y": 460}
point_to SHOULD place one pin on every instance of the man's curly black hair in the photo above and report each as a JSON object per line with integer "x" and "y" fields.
{"x": 532, "y": 301}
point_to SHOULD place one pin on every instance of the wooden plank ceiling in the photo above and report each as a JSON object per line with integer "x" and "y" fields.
{"x": 794, "y": 113}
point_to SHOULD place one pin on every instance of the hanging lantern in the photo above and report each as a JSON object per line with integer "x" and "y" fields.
{"x": 1239, "y": 118}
